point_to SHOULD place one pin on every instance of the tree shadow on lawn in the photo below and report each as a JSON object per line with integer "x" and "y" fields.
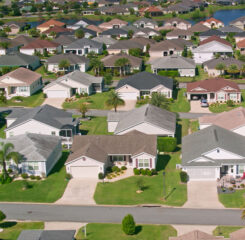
{"x": 138, "y": 229}
{"x": 58, "y": 166}
{"x": 7, "y": 224}
{"x": 178, "y": 133}
{"x": 171, "y": 192}
{"x": 162, "y": 162}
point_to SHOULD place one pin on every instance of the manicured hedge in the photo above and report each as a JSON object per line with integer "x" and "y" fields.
{"x": 166, "y": 144}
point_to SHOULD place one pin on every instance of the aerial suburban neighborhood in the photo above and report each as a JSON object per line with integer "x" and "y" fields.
{"x": 122, "y": 119}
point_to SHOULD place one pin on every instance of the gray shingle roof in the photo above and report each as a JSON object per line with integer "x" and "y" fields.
{"x": 46, "y": 114}
{"x": 30, "y": 235}
{"x": 146, "y": 81}
{"x": 81, "y": 43}
{"x": 173, "y": 62}
{"x": 126, "y": 44}
{"x": 64, "y": 40}
{"x": 146, "y": 114}
{"x": 227, "y": 61}
{"x": 114, "y": 31}
{"x": 105, "y": 40}
{"x": 212, "y": 32}
{"x": 230, "y": 29}
{"x": 210, "y": 138}
{"x": 72, "y": 58}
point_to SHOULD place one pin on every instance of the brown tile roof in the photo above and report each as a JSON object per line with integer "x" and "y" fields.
{"x": 51, "y": 23}
{"x": 24, "y": 75}
{"x": 95, "y": 28}
{"x": 99, "y": 146}
{"x": 114, "y": 21}
{"x": 39, "y": 43}
{"x": 196, "y": 235}
{"x": 143, "y": 40}
{"x": 241, "y": 44}
{"x": 150, "y": 9}
{"x": 22, "y": 40}
{"x": 217, "y": 39}
{"x": 199, "y": 27}
{"x": 57, "y": 29}
{"x": 179, "y": 32}
{"x": 212, "y": 85}
{"x": 176, "y": 44}
{"x": 109, "y": 61}
{"x": 229, "y": 120}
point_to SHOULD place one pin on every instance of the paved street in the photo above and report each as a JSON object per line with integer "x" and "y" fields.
{"x": 147, "y": 215}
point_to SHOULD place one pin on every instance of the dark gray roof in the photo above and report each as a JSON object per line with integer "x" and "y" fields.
{"x": 64, "y": 40}
{"x": 114, "y": 31}
{"x": 145, "y": 81}
{"x": 242, "y": 19}
{"x": 48, "y": 115}
{"x": 104, "y": 39}
{"x": 241, "y": 34}
{"x": 146, "y": 114}
{"x": 81, "y": 43}
{"x": 30, "y": 235}
{"x": 211, "y": 138}
{"x": 212, "y": 32}
{"x": 227, "y": 61}
{"x": 230, "y": 29}
{"x": 72, "y": 58}
{"x": 126, "y": 44}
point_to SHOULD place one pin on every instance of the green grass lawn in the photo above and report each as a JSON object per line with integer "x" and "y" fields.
{"x": 107, "y": 231}
{"x": 41, "y": 70}
{"x": 225, "y": 230}
{"x": 33, "y": 101}
{"x": 12, "y": 230}
{"x": 96, "y": 101}
{"x": 123, "y": 192}
{"x": 96, "y": 126}
{"x": 48, "y": 190}
{"x": 180, "y": 104}
{"x": 233, "y": 200}
{"x": 194, "y": 125}
{"x": 218, "y": 108}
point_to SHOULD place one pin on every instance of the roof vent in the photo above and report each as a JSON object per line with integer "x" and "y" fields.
{"x": 216, "y": 135}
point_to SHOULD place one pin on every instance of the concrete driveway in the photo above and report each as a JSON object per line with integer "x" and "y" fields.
{"x": 129, "y": 105}
{"x": 79, "y": 192}
{"x": 196, "y": 107}
{"x": 55, "y": 102}
{"x": 202, "y": 194}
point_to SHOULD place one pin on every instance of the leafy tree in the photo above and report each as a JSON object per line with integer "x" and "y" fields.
{"x": 7, "y": 154}
{"x": 85, "y": 4}
{"x": 140, "y": 184}
{"x": 184, "y": 53}
{"x": 128, "y": 225}
{"x": 130, "y": 33}
{"x": 221, "y": 67}
{"x": 33, "y": 32}
{"x": 114, "y": 100}
{"x": 3, "y": 98}
{"x": 53, "y": 34}
{"x": 159, "y": 100}
{"x": 4, "y": 45}
{"x": 132, "y": 12}
{"x": 243, "y": 69}
{"x": 97, "y": 65}
{"x": 137, "y": 52}
{"x": 64, "y": 64}
{"x": 147, "y": 15}
{"x": 83, "y": 109}
{"x": 122, "y": 63}
{"x": 33, "y": 9}
{"x": 233, "y": 69}
{"x": 79, "y": 33}
{"x": 108, "y": 78}
{"x": 7, "y": 29}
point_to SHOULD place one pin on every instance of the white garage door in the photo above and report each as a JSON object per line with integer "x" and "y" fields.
{"x": 201, "y": 173}
{"x": 85, "y": 172}
{"x": 128, "y": 96}
{"x": 57, "y": 94}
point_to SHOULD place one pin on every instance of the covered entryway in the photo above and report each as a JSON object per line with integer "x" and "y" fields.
{"x": 85, "y": 171}
{"x": 196, "y": 174}
{"x": 57, "y": 94}
{"x": 128, "y": 96}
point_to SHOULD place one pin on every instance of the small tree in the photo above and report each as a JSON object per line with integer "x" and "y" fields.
{"x": 136, "y": 52}
{"x": 97, "y": 65}
{"x": 79, "y": 33}
{"x": 122, "y": 63}
{"x": 3, "y": 98}
{"x": 140, "y": 183}
{"x": 220, "y": 67}
{"x": 233, "y": 69}
{"x": 114, "y": 100}
{"x": 64, "y": 64}
{"x": 128, "y": 224}
{"x": 184, "y": 53}
{"x": 83, "y": 109}
{"x": 4, "y": 45}
{"x": 159, "y": 100}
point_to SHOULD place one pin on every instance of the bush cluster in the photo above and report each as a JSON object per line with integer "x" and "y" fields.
{"x": 183, "y": 177}
{"x": 145, "y": 172}
{"x": 6, "y": 179}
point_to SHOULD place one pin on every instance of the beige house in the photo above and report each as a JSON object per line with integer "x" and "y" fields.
{"x": 48, "y": 24}
{"x": 239, "y": 22}
{"x": 177, "y": 23}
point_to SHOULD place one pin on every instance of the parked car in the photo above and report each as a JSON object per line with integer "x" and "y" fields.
{"x": 204, "y": 103}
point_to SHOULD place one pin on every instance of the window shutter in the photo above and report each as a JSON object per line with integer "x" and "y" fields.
{"x": 136, "y": 163}
{"x": 150, "y": 163}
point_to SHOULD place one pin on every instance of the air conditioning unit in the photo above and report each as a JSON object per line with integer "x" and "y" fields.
{"x": 178, "y": 166}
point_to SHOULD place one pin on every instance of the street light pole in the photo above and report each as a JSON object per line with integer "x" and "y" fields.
{"x": 164, "y": 185}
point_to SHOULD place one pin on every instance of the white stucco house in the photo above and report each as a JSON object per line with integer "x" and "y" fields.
{"x": 144, "y": 84}
{"x": 147, "y": 119}
{"x": 20, "y": 82}
{"x": 92, "y": 154}
{"x": 72, "y": 83}
{"x": 212, "y": 153}
{"x": 39, "y": 153}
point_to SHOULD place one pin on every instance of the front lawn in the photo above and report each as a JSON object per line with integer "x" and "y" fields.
{"x": 96, "y": 126}
{"x": 123, "y": 192}
{"x": 12, "y": 230}
{"x": 106, "y": 231}
{"x": 48, "y": 190}
{"x": 45, "y": 74}
{"x": 233, "y": 200}
{"x": 180, "y": 104}
{"x": 225, "y": 230}
{"x": 33, "y": 101}
{"x": 95, "y": 101}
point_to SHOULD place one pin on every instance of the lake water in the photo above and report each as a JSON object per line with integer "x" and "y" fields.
{"x": 226, "y": 16}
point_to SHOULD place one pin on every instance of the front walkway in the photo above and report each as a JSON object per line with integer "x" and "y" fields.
{"x": 202, "y": 194}
{"x": 79, "y": 191}
{"x": 129, "y": 173}
{"x": 196, "y": 107}
{"x": 129, "y": 105}
{"x": 55, "y": 102}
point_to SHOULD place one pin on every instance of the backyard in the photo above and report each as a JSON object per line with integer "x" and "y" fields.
{"x": 105, "y": 231}
{"x": 180, "y": 103}
{"x": 47, "y": 190}
{"x": 12, "y": 230}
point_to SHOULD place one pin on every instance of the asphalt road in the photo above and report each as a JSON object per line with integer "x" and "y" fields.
{"x": 102, "y": 214}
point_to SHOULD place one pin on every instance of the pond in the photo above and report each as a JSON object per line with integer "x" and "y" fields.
{"x": 226, "y": 16}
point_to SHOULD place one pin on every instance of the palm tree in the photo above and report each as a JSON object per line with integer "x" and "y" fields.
{"x": 122, "y": 63}
{"x": 159, "y": 100}
{"x": 233, "y": 69}
{"x": 114, "y": 100}
{"x": 7, "y": 154}
{"x": 83, "y": 108}
{"x": 220, "y": 67}
{"x": 64, "y": 64}
{"x": 97, "y": 65}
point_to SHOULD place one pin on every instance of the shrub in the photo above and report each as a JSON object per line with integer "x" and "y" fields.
{"x": 77, "y": 95}
{"x": 32, "y": 177}
{"x": 108, "y": 169}
{"x": 143, "y": 171}
{"x": 10, "y": 170}
{"x": 24, "y": 175}
{"x": 154, "y": 171}
{"x": 115, "y": 169}
{"x": 38, "y": 178}
{"x": 6, "y": 179}
{"x": 101, "y": 176}
{"x": 231, "y": 188}
{"x": 167, "y": 144}
{"x": 140, "y": 183}
{"x": 128, "y": 225}
{"x": 136, "y": 171}
{"x": 149, "y": 172}
{"x": 183, "y": 177}
{"x": 68, "y": 176}
{"x": 234, "y": 185}
{"x": 242, "y": 185}
{"x": 25, "y": 185}
{"x": 123, "y": 168}
{"x": 2, "y": 216}
{"x": 230, "y": 103}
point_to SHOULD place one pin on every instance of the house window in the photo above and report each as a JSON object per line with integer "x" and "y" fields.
{"x": 233, "y": 96}
{"x": 221, "y": 96}
{"x": 53, "y": 133}
{"x": 117, "y": 158}
{"x": 144, "y": 163}
{"x": 33, "y": 166}
{"x": 241, "y": 169}
{"x": 23, "y": 89}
